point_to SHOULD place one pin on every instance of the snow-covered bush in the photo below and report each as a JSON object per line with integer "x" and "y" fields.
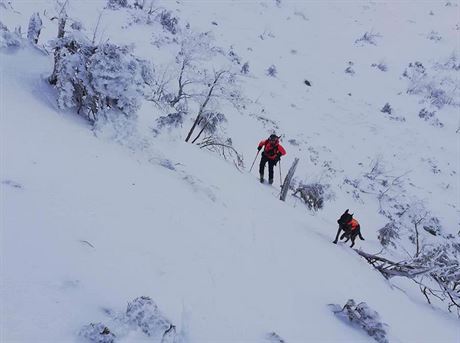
{"x": 172, "y": 120}
{"x": 386, "y": 109}
{"x": 349, "y": 69}
{"x": 144, "y": 313}
{"x": 76, "y": 26}
{"x": 233, "y": 56}
{"x": 211, "y": 121}
{"x": 434, "y": 36}
{"x": 118, "y": 78}
{"x": 35, "y": 26}
{"x": 389, "y": 110}
{"x": 314, "y": 194}
{"x": 169, "y": 22}
{"x": 116, "y": 4}
{"x": 388, "y": 234}
{"x": 380, "y": 66}
{"x": 271, "y": 71}
{"x": 273, "y": 337}
{"x": 10, "y": 39}
{"x": 97, "y": 333}
{"x": 361, "y": 315}
{"x": 94, "y": 79}
{"x": 439, "y": 85}
{"x": 426, "y": 115}
{"x": 245, "y": 68}
{"x": 368, "y": 38}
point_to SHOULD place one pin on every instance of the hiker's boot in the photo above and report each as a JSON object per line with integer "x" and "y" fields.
{"x": 262, "y": 178}
{"x": 270, "y": 181}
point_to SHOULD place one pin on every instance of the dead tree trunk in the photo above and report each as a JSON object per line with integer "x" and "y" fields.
{"x": 57, "y": 52}
{"x": 390, "y": 269}
{"x": 288, "y": 179}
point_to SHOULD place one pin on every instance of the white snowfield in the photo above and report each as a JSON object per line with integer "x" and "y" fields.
{"x": 89, "y": 222}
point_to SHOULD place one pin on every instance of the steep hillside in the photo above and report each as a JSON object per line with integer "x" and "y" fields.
{"x": 94, "y": 216}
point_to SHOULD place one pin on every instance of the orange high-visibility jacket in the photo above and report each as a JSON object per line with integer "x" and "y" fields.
{"x": 353, "y": 224}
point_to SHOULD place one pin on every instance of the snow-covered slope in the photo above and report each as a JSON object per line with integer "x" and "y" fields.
{"x": 88, "y": 224}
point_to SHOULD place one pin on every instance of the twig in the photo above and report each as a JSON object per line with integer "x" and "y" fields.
{"x": 97, "y": 27}
{"x": 86, "y": 242}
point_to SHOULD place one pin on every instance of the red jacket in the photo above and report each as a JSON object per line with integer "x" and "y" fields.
{"x": 272, "y": 150}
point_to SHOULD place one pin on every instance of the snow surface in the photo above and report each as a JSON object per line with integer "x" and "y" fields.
{"x": 88, "y": 224}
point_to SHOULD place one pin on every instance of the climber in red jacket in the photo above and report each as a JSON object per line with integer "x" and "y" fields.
{"x": 272, "y": 154}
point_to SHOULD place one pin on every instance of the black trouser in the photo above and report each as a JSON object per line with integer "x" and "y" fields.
{"x": 271, "y": 164}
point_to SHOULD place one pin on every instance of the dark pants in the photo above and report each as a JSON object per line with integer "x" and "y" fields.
{"x": 271, "y": 164}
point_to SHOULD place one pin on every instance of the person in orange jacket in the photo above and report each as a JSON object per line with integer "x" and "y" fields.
{"x": 272, "y": 154}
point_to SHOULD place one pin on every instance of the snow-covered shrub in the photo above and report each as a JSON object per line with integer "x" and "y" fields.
{"x": 76, "y": 26}
{"x": 432, "y": 226}
{"x": 95, "y": 79}
{"x": 314, "y": 194}
{"x": 10, "y": 39}
{"x": 169, "y": 22}
{"x": 434, "y": 36}
{"x": 117, "y": 4}
{"x": 452, "y": 63}
{"x": 118, "y": 78}
{"x": 97, "y": 333}
{"x": 426, "y": 115}
{"x": 271, "y": 71}
{"x": 430, "y": 117}
{"x": 349, "y": 69}
{"x": 233, "y": 56}
{"x": 386, "y": 109}
{"x": 172, "y": 120}
{"x": 388, "y": 234}
{"x": 368, "y": 38}
{"x": 273, "y": 337}
{"x": 439, "y": 85}
{"x": 144, "y": 313}
{"x": 361, "y": 315}
{"x": 380, "y": 66}
{"x": 245, "y": 68}
{"x": 389, "y": 110}
{"x": 211, "y": 121}
{"x": 35, "y": 26}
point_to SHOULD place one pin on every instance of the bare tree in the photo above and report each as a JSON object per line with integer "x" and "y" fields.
{"x": 217, "y": 80}
{"x": 182, "y": 81}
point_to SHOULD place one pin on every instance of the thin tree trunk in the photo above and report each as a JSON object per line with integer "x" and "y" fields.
{"x": 201, "y": 131}
{"x": 57, "y": 52}
{"x": 180, "y": 92}
{"x": 203, "y": 105}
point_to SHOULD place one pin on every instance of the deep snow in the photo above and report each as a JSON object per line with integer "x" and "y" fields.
{"x": 88, "y": 224}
